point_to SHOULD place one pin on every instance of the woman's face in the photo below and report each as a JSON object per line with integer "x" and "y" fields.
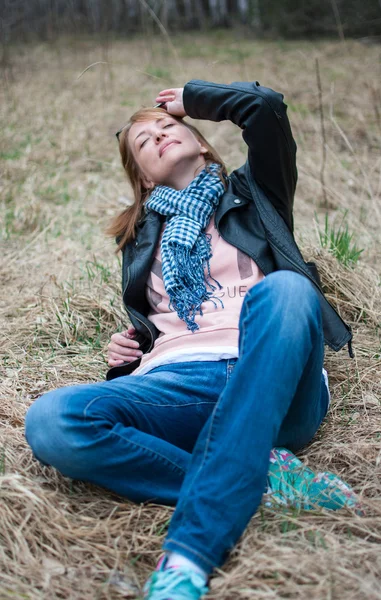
{"x": 166, "y": 151}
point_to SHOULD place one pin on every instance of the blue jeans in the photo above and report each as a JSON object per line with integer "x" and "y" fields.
{"x": 198, "y": 434}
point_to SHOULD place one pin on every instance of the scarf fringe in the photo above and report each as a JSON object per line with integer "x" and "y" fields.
{"x": 190, "y": 285}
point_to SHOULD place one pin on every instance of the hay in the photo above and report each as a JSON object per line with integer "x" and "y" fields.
{"x": 60, "y": 303}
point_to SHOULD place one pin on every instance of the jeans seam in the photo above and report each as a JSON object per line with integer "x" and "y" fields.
{"x": 246, "y": 308}
{"x": 181, "y": 545}
{"x": 170, "y": 405}
{"x": 207, "y": 441}
{"x": 148, "y": 403}
{"x": 154, "y": 454}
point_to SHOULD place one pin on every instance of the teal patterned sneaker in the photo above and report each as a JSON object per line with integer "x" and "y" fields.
{"x": 174, "y": 583}
{"x": 293, "y": 484}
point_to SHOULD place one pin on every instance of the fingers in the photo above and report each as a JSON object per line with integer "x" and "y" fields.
{"x": 118, "y": 361}
{"x": 123, "y": 351}
{"x": 114, "y": 361}
{"x": 170, "y": 95}
{"x": 172, "y": 101}
{"x": 117, "y": 355}
{"x": 121, "y": 339}
{"x": 123, "y": 348}
{"x": 170, "y": 92}
{"x": 130, "y": 332}
{"x": 165, "y": 99}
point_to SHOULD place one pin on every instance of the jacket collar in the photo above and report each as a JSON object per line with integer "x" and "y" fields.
{"x": 228, "y": 201}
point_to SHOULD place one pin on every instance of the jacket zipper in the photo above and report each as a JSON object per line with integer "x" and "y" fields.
{"x": 135, "y": 317}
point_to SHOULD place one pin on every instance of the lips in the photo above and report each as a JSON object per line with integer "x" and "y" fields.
{"x": 166, "y": 145}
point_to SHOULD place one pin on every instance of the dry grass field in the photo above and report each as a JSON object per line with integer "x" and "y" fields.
{"x": 61, "y": 182}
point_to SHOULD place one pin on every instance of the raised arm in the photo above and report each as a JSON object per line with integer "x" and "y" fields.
{"x": 262, "y": 115}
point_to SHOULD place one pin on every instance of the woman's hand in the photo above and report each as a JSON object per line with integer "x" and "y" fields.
{"x": 173, "y": 100}
{"x": 123, "y": 348}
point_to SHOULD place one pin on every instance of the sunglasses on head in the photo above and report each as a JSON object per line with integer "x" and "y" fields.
{"x": 124, "y": 126}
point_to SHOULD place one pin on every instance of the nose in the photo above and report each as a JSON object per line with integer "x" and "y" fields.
{"x": 159, "y": 135}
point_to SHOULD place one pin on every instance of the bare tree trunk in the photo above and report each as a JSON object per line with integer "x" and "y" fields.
{"x": 5, "y": 37}
{"x": 173, "y": 13}
{"x": 93, "y": 10}
{"x": 213, "y": 12}
{"x": 218, "y": 12}
{"x": 199, "y": 10}
{"x": 46, "y": 18}
{"x": 132, "y": 10}
{"x": 339, "y": 24}
{"x": 224, "y": 18}
{"x": 256, "y": 21}
{"x": 116, "y": 14}
{"x": 189, "y": 17}
{"x": 243, "y": 10}
{"x": 165, "y": 8}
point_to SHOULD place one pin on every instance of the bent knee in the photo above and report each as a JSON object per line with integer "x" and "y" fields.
{"x": 291, "y": 289}
{"x": 53, "y": 432}
{"x": 291, "y": 283}
{"x": 43, "y": 425}
{"x": 288, "y": 296}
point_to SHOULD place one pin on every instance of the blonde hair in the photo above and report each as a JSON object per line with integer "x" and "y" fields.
{"x": 123, "y": 226}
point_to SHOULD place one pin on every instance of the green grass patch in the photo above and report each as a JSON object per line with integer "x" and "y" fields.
{"x": 11, "y": 155}
{"x": 158, "y": 72}
{"x": 94, "y": 269}
{"x": 339, "y": 241}
{"x": 57, "y": 194}
{"x": 2, "y": 461}
{"x": 301, "y": 109}
{"x": 8, "y": 223}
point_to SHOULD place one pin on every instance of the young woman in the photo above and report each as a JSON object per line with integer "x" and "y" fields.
{"x": 222, "y": 366}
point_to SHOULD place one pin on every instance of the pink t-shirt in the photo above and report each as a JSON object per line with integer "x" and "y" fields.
{"x": 217, "y": 336}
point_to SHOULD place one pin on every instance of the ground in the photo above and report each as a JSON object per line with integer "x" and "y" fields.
{"x": 61, "y": 183}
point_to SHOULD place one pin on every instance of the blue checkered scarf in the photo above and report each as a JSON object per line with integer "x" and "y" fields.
{"x": 185, "y": 247}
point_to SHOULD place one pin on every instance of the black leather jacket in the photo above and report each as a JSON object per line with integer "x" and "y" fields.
{"x": 254, "y": 214}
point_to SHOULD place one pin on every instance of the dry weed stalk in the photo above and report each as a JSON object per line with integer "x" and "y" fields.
{"x": 324, "y": 140}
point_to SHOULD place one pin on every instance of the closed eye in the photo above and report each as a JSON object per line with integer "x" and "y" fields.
{"x": 168, "y": 125}
{"x": 143, "y": 143}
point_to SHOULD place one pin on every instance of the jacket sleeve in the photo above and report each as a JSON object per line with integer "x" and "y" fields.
{"x": 262, "y": 115}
